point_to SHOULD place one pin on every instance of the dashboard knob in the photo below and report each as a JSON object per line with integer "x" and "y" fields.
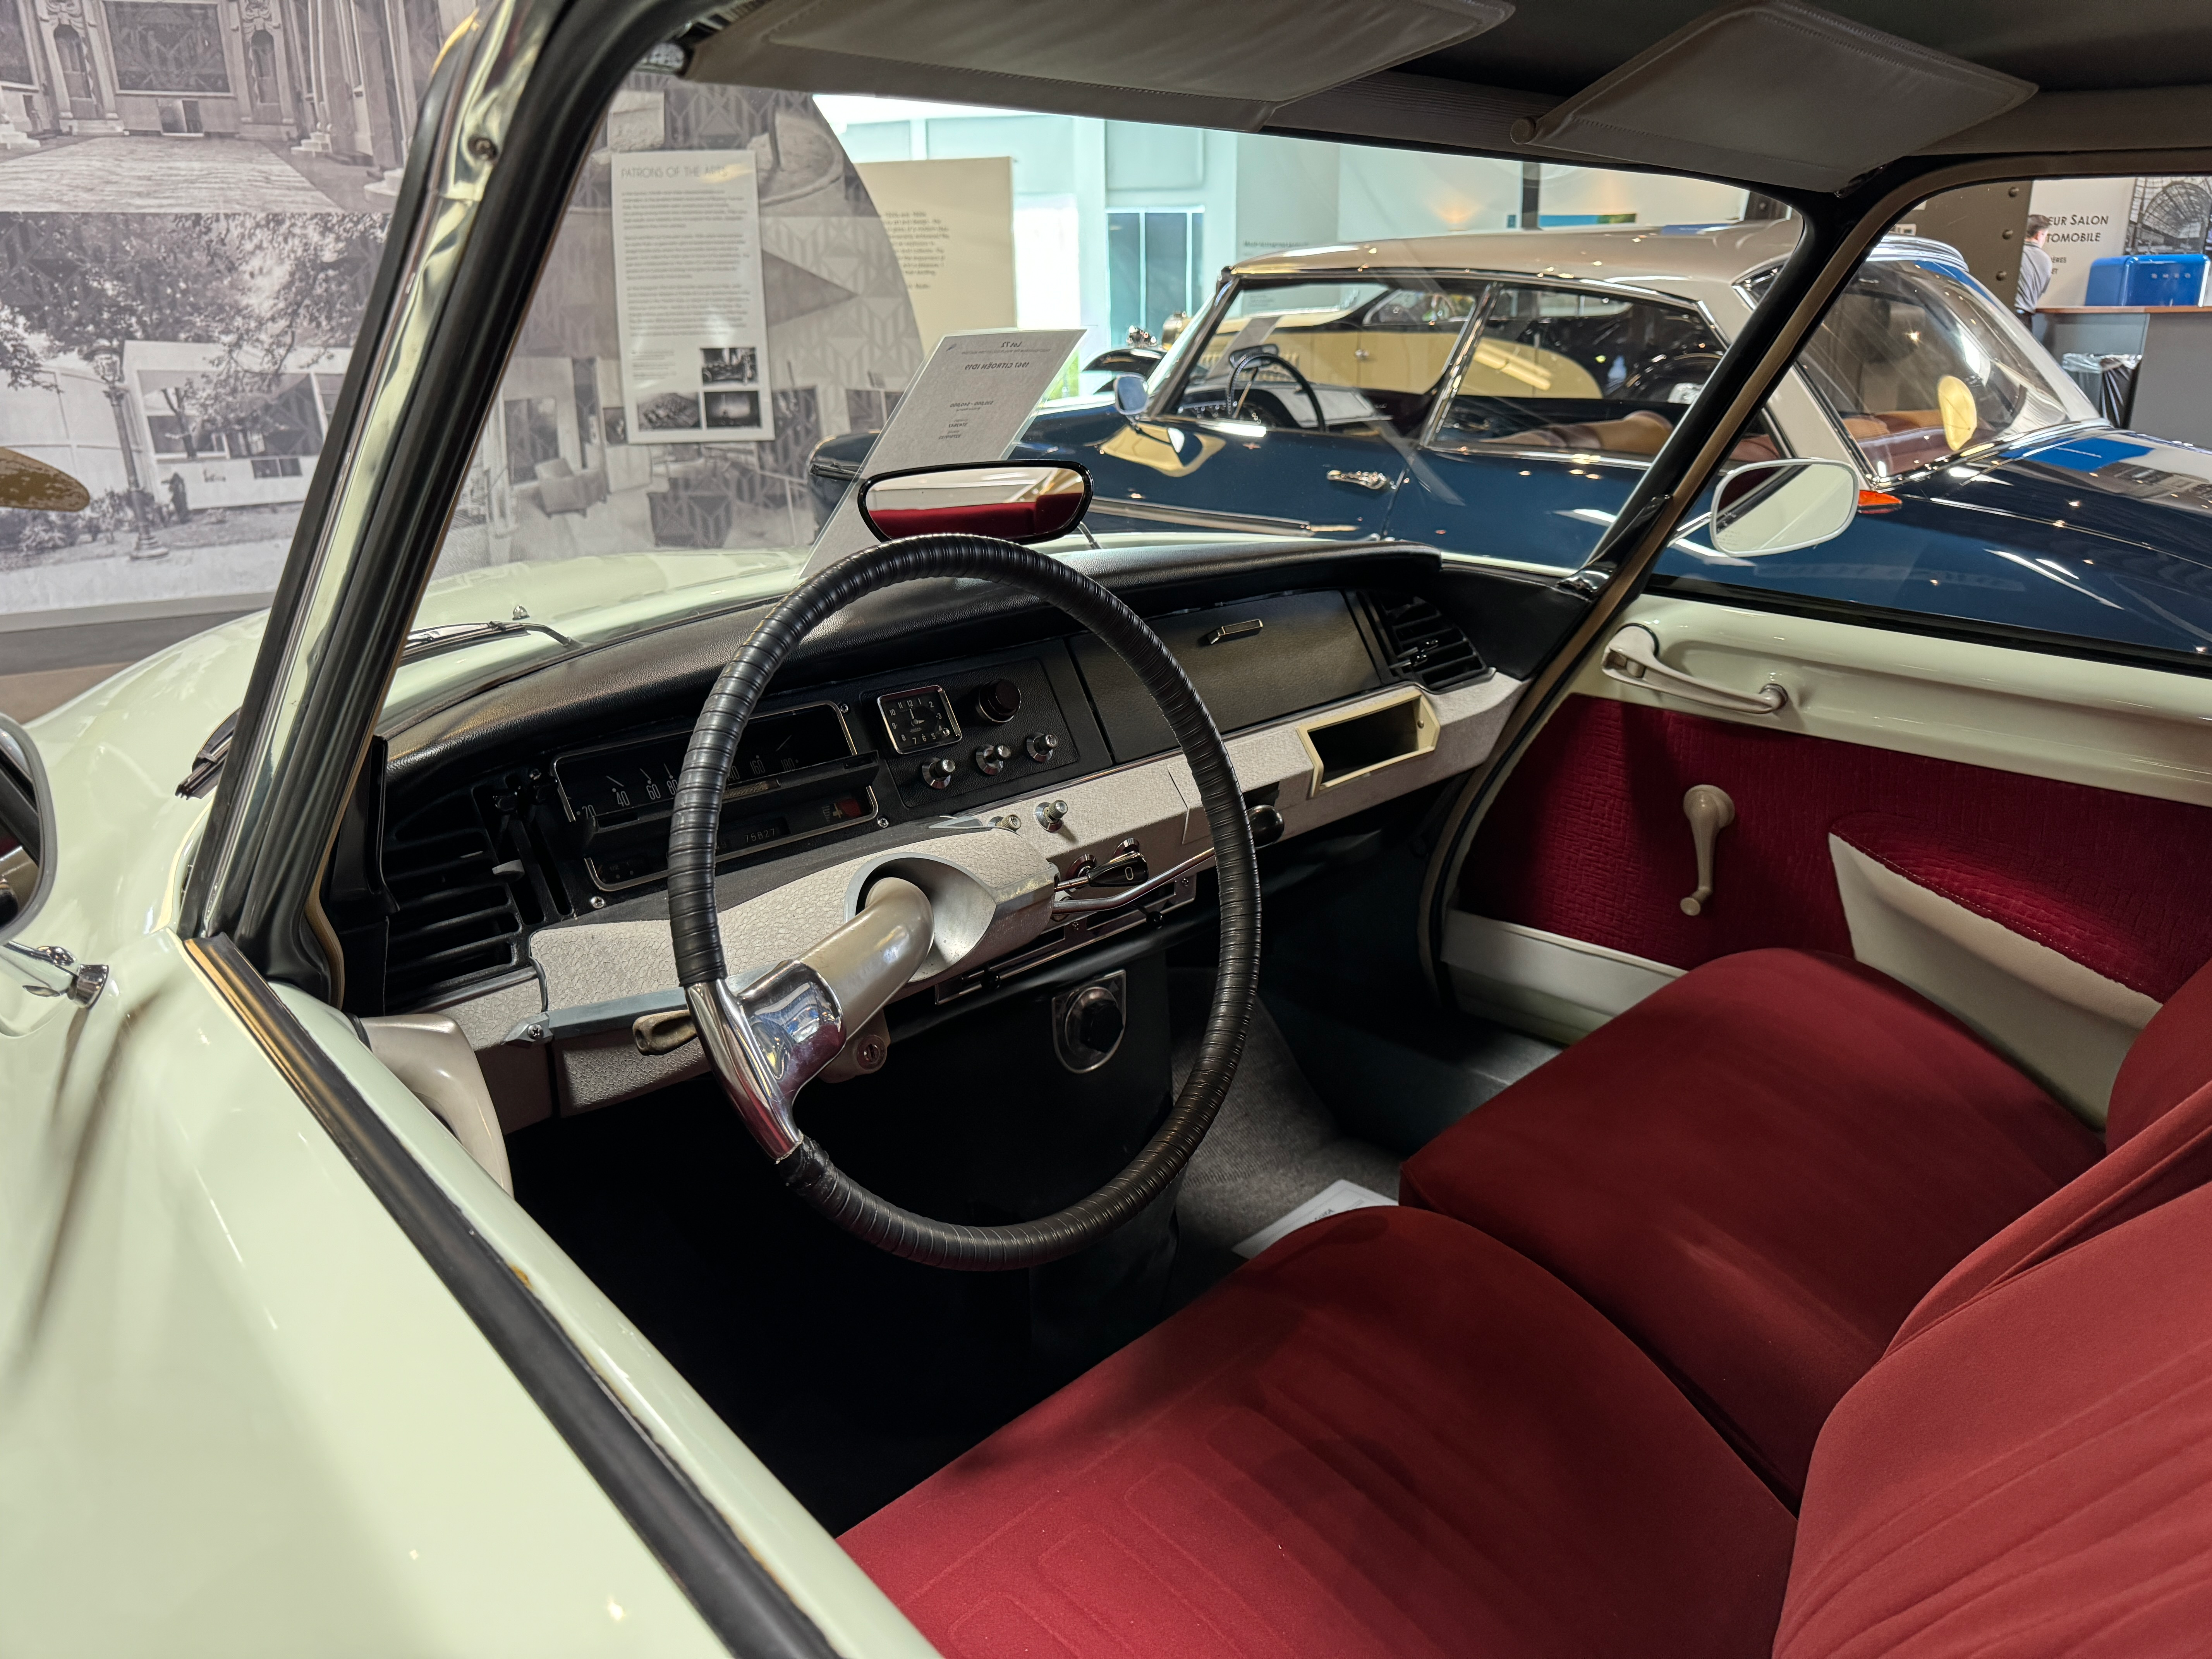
{"x": 938, "y": 773}
{"x": 1266, "y": 824}
{"x": 999, "y": 702}
{"x": 1099, "y": 1022}
{"x": 991, "y": 759}
{"x": 1039, "y": 746}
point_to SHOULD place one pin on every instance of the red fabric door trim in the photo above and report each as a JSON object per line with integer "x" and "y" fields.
{"x": 1588, "y": 840}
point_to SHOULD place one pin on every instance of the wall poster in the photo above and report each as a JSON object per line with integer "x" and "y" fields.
{"x": 951, "y": 225}
{"x": 691, "y": 309}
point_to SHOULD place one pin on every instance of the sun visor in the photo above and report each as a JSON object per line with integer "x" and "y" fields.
{"x": 1212, "y": 63}
{"x": 1775, "y": 91}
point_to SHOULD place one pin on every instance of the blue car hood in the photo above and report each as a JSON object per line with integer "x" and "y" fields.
{"x": 2128, "y": 487}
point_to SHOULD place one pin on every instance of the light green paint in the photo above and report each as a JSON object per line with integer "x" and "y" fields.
{"x": 239, "y": 1414}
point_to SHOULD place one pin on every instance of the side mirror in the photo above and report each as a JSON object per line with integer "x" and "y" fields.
{"x": 1130, "y": 396}
{"x": 1776, "y": 507}
{"x": 1012, "y": 501}
{"x": 22, "y": 812}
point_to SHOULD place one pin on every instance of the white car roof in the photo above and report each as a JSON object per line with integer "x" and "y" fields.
{"x": 1687, "y": 262}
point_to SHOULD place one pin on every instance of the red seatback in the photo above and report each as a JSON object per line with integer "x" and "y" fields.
{"x": 2030, "y": 1475}
{"x": 2169, "y": 1062}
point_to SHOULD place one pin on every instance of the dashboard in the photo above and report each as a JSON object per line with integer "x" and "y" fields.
{"x": 505, "y": 860}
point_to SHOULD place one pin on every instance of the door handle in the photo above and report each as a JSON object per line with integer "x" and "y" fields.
{"x": 1364, "y": 480}
{"x": 82, "y": 982}
{"x": 1631, "y": 656}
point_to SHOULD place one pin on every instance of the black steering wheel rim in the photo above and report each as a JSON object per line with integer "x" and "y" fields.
{"x": 1265, "y": 356}
{"x": 696, "y": 931}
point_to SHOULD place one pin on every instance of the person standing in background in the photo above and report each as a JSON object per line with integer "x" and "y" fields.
{"x": 2034, "y": 275}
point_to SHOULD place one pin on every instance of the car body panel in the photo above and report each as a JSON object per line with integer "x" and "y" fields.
{"x": 2106, "y": 534}
{"x": 242, "y": 1414}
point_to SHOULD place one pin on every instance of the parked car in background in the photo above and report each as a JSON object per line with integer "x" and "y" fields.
{"x": 1496, "y": 394}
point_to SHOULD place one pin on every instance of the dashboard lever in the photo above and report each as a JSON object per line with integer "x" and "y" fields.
{"x": 1236, "y": 630}
{"x": 1112, "y": 899}
{"x": 663, "y": 1033}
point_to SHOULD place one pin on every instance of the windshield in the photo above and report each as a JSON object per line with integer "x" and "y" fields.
{"x": 1919, "y": 364}
{"x": 1288, "y": 352}
{"x": 757, "y": 297}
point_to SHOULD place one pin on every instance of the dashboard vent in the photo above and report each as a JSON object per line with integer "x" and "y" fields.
{"x": 455, "y": 916}
{"x": 1424, "y": 645}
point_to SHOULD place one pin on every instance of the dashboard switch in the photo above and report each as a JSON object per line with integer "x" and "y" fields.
{"x": 1039, "y": 746}
{"x": 938, "y": 773}
{"x": 999, "y": 702}
{"x": 991, "y": 759}
{"x": 1049, "y": 813}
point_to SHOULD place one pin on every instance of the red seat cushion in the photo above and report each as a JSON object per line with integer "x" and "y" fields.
{"x": 2030, "y": 1475}
{"x": 1388, "y": 1436}
{"x": 1756, "y": 1173}
{"x": 2169, "y": 1062}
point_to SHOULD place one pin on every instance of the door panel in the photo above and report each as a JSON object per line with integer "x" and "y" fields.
{"x": 2019, "y": 836}
{"x": 1222, "y": 474}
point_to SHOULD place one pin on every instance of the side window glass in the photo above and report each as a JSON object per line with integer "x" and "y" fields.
{"x": 2037, "y": 466}
{"x": 1557, "y": 369}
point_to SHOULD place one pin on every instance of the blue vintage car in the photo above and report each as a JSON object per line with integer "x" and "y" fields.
{"x": 1494, "y": 395}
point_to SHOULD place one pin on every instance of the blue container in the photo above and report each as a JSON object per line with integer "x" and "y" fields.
{"x": 2146, "y": 279}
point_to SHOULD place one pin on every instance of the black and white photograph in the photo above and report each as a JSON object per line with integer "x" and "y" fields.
{"x": 729, "y": 365}
{"x": 668, "y": 411}
{"x": 733, "y": 408}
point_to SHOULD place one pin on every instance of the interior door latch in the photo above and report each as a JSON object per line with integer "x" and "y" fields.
{"x": 1632, "y": 657}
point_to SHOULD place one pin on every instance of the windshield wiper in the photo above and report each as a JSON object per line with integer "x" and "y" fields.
{"x": 458, "y": 636}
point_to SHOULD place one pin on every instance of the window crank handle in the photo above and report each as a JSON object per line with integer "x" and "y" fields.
{"x": 1710, "y": 811}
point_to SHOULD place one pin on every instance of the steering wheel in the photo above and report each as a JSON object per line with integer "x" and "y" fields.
{"x": 767, "y": 1038}
{"x": 1262, "y": 356}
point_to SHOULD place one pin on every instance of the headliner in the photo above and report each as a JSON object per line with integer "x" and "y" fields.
{"x": 2107, "y": 79}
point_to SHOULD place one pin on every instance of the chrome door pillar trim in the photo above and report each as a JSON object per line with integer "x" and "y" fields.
{"x": 481, "y": 70}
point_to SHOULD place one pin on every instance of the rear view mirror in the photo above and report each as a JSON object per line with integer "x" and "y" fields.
{"x": 22, "y": 838}
{"x": 1776, "y": 507}
{"x": 1014, "y": 502}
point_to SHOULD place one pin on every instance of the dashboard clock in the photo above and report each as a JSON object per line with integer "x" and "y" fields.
{"x": 919, "y": 718}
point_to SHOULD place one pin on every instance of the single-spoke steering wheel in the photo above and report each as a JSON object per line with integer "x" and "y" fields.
{"x": 1262, "y": 356}
{"x": 769, "y": 1038}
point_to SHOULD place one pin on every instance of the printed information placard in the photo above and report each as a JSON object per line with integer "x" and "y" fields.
{"x": 688, "y": 298}
{"x": 969, "y": 402}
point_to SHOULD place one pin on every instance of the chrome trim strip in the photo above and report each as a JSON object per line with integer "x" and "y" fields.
{"x": 1200, "y": 518}
{"x": 690, "y": 1537}
{"x": 492, "y": 65}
